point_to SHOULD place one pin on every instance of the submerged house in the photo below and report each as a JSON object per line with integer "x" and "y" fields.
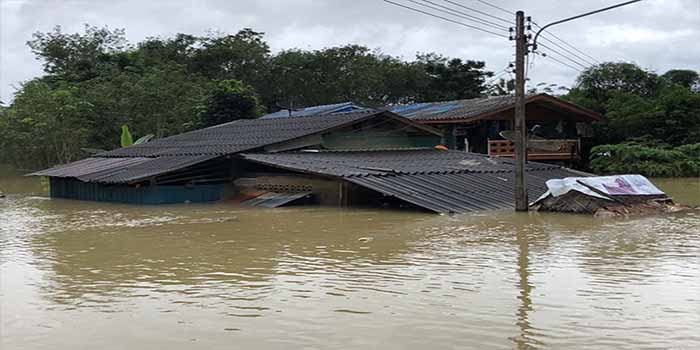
{"x": 477, "y": 125}
{"x": 361, "y": 157}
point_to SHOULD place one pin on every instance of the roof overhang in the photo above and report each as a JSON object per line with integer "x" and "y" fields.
{"x": 543, "y": 101}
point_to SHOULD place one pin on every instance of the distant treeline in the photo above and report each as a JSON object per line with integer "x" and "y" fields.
{"x": 95, "y": 82}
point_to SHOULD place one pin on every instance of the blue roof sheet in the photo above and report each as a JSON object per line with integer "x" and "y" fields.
{"x": 316, "y": 110}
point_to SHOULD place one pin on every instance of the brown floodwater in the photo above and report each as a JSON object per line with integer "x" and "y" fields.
{"x": 83, "y": 275}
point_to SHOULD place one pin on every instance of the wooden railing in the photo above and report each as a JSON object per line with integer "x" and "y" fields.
{"x": 566, "y": 150}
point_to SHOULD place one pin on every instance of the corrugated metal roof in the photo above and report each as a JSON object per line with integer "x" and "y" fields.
{"x": 121, "y": 170}
{"x": 440, "y": 181}
{"x": 458, "y": 192}
{"x": 383, "y": 162}
{"x": 461, "y": 109}
{"x": 476, "y": 107}
{"x": 316, "y": 110}
{"x": 275, "y": 199}
{"x": 239, "y": 135}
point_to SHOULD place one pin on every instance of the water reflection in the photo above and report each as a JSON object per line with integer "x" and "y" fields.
{"x": 526, "y": 339}
{"x": 103, "y": 256}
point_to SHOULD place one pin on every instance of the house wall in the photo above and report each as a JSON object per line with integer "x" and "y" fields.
{"x": 157, "y": 194}
{"x": 373, "y": 140}
{"x": 325, "y": 191}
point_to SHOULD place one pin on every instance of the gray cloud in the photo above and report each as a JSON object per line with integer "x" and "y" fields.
{"x": 656, "y": 34}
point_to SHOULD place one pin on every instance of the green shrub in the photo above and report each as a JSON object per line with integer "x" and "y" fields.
{"x": 649, "y": 161}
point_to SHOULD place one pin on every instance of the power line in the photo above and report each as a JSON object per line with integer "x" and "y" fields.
{"x": 566, "y": 43}
{"x": 495, "y": 78}
{"x": 481, "y": 12}
{"x": 567, "y": 50}
{"x": 559, "y": 61}
{"x": 496, "y": 7}
{"x": 500, "y": 73}
{"x": 445, "y": 19}
{"x": 456, "y": 13}
{"x": 564, "y": 56}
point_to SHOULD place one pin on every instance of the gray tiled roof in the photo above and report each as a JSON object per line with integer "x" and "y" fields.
{"x": 121, "y": 170}
{"x": 440, "y": 181}
{"x": 239, "y": 135}
{"x": 168, "y": 154}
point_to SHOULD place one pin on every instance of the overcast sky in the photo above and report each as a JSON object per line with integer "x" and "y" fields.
{"x": 656, "y": 34}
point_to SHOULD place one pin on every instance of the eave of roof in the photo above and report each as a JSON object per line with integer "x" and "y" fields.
{"x": 121, "y": 170}
{"x": 462, "y": 111}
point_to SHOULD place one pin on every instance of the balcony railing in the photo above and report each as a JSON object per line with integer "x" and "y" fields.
{"x": 559, "y": 150}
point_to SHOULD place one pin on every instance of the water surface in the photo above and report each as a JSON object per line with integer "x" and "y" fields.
{"x": 82, "y": 275}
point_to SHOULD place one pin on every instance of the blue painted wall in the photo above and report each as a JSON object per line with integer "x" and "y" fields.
{"x": 74, "y": 189}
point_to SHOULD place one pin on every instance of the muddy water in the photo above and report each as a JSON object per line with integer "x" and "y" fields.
{"x": 80, "y": 275}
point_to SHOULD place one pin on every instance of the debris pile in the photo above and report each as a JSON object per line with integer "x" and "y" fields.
{"x": 605, "y": 196}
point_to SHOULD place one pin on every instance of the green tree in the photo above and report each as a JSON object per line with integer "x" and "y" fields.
{"x": 47, "y": 125}
{"x": 452, "y": 79}
{"x": 77, "y": 57}
{"x": 95, "y": 82}
{"x": 597, "y": 84}
{"x": 682, "y": 77}
{"x": 228, "y": 101}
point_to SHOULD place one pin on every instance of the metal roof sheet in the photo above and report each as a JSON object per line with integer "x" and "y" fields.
{"x": 476, "y": 107}
{"x": 239, "y": 135}
{"x": 121, "y": 170}
{"x": 453, "y": 109}
{"x": 383, "y": 162}
{"x": 275, "y": 199}
{"x": 458, "y": 192}
{"x": 316, "y": 110}
{"x": 440, "y": 181}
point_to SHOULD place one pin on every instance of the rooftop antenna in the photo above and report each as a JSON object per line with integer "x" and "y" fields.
{"x": 289, "y": 108}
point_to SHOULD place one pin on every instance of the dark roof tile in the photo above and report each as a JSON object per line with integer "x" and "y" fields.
{"x": 238, "y": 136}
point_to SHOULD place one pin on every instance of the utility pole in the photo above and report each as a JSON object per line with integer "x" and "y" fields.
{"x": 521, "y": 203}
{"x": 522, "y": 46}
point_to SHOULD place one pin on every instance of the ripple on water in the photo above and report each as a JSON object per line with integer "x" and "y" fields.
{"x": 299, "y": 277}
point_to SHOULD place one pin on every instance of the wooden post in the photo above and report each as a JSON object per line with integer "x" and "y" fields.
{"x": 521, "y": 203}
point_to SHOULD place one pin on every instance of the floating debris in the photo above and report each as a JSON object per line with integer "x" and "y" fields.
{"x": 605, "y": 196}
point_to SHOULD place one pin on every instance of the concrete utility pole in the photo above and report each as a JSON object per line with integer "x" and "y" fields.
{"x": 521, "y": 203}
{"x": 521, "y": 51}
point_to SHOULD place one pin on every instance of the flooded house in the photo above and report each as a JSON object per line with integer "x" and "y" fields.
{"x": 557, "y": 127}
{"x": 354, "y": 157}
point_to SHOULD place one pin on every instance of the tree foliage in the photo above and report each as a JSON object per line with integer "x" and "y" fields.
{"x": 630, "y": 158}
{"x": 230, "y": 100}
{"x": 95, "y": 81}
{"x": 640, "y": 105}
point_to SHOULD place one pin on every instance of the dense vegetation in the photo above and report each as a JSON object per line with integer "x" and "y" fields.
{"x": 652, "y": 122}
{"x": 631, "y": 158}
{"x": 95, "y": 82}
